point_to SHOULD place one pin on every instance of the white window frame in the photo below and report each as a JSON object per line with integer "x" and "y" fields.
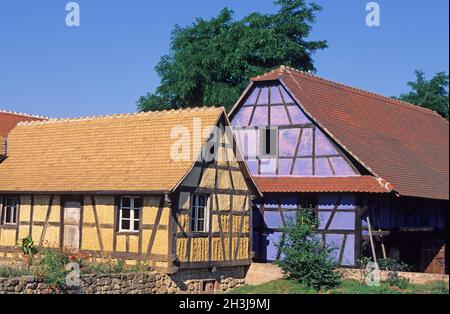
{"x": 13, "y": 209}
{"x": 195, "y": 208}
{"x": 132, "y": 210}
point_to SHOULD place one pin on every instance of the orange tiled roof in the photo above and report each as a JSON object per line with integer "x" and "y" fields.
{"x": 363, "y": 184}
{"x": 100, "y": 154}
{"x": 404, "y": 144}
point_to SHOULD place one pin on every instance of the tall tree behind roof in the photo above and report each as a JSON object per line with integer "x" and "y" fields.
{"x": 431, "y": 94}
{"x": 211, "y": 61}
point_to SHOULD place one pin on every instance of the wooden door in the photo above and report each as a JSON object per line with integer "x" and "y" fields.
{"x": 72, "y": 213}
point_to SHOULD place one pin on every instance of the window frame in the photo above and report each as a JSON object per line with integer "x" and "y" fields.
{"x": 14, "y": 211}
{"x": 273, "y": 135}
{"x": 132, "y": 219}
{"x": 194, "y": 210}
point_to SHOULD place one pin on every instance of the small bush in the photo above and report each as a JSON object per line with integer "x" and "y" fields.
{"x": 52, "y": 266}
{"x": 305, "y": 258}
{"x": 393, "y": 265}
{"x": 118, "y": 266}
{"x": 29, "y": 249}
{"x": 394, "y": 279}
{"x": 363, "y": 261}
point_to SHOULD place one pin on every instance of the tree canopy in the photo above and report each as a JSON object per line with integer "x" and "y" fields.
{"x": 211, "y": 61}
{"x": 431, "y": 94}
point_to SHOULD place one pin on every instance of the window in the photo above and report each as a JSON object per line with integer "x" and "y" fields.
{"x": 10, "y": 208}
{"x": 130, "y": 209}
{"x": 269, "y": 142}
{"x": 199, "y": 213}
{"x": 210, "y": 285}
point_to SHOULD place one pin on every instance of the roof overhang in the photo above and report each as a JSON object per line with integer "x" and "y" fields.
{"x": 355, "y": 184}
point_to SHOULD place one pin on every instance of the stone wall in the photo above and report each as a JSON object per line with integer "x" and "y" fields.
{"x": 183, "y": 282}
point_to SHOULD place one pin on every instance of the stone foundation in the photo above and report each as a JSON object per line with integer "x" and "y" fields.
{"x": 183, "y": 282}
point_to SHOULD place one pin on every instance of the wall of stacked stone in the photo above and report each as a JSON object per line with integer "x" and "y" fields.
{"x": 183, "y": 282}
{"x": 414, "y": 278}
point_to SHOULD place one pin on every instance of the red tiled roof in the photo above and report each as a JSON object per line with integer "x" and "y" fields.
{"x": 404, "y": 144}
{"x": 363, "y": 184}
{"x": 8, "y": 120}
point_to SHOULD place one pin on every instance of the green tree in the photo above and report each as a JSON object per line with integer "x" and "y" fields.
{"x": 431, "y": 94}
{"x": 211, "y": 61}
{"x": 304, "y": 257}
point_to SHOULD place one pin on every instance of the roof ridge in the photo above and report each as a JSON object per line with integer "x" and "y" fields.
{"x": 23, "y": 114}
{"x": 368, "y": 93}
{"x": 281, "y": 71}
{"x": 119, "y": 115}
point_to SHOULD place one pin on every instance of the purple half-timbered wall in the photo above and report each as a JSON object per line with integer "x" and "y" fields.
{"x": 337, "y": 216}
{"x": 301, "y": 150}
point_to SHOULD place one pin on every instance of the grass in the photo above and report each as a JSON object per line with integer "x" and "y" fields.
{"x": 287, "y": 286}
{"x": 275, "y": 287}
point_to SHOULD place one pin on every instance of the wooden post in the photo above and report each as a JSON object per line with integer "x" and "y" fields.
{"x": 371, "y": 241}
{"x": 383, "y": 247}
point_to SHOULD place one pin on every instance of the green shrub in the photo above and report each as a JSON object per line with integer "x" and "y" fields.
{"x": 304, "y": 257}
{"x": 52, "y": 266}
{"x": 118, "y": 266}
{"x": 394, "y": 279}
{"x": 363, "y": 261}
{"x": 29, "y": 249}
{"x": 393, "y": 265}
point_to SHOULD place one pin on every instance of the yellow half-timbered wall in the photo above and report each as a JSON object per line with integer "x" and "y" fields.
{"x": 227, "y": 240}
{"x": 41, "y": 217}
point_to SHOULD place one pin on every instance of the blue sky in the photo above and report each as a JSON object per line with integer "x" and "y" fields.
{"x": 104, "y": 65}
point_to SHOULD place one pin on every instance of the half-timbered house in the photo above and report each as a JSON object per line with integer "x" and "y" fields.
{"x": 134, "y": 187}
{"x": 370, "y": 166}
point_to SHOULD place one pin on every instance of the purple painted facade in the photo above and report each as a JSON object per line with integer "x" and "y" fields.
{"x": 337, "y": 214}
{"x": 301, "y": 149}
{"x": 337, "y": 219}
